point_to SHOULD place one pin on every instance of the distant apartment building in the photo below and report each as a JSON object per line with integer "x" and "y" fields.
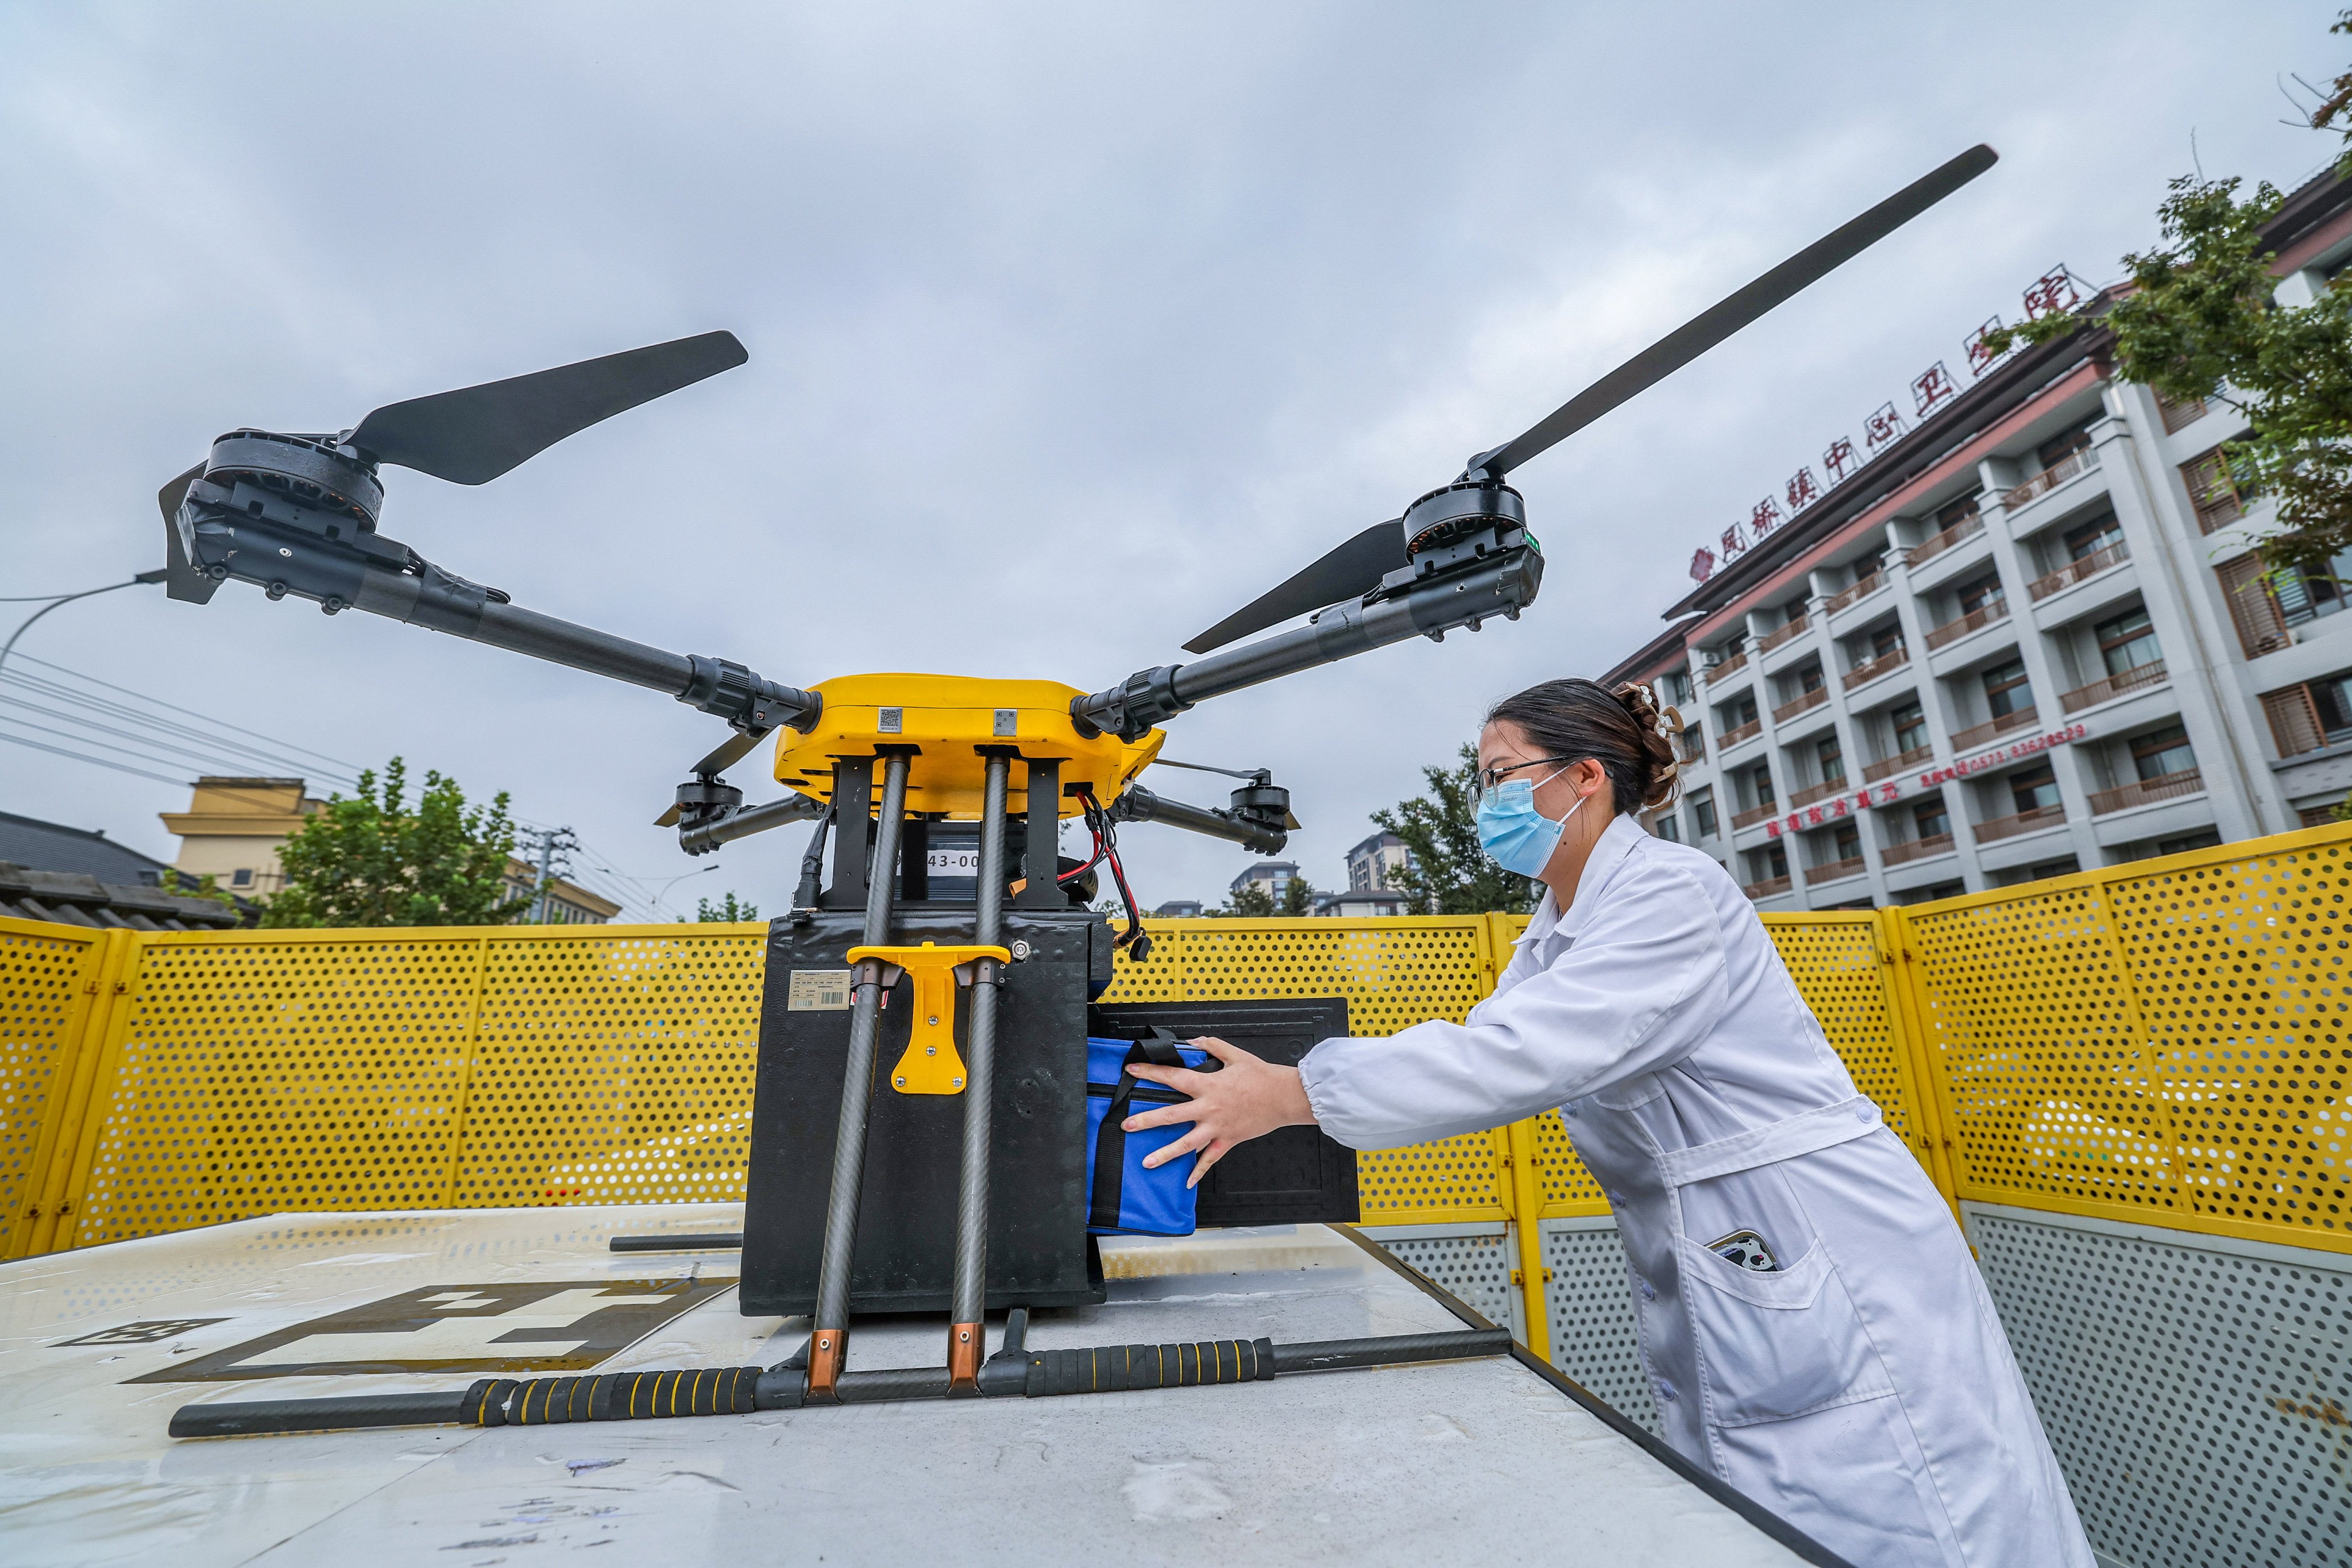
{"x": 234, "y": 826}
{"x": 1374, "y": 865}
{"x": 2028, "y": 637}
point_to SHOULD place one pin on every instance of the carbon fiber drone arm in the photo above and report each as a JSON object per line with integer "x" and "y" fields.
{"x": 1136, "y": 804}
{"x": 447, "y": 602}
{"x": 1503, "y": 586}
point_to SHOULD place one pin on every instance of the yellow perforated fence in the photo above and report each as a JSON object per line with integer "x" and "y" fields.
{"x": 2163, "y": 1042}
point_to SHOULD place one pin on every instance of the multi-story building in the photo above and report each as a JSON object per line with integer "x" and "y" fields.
{"x": 2031, "y": 636}
{"x": 1273, "y": 878}
{"x": 1374, "y": 865}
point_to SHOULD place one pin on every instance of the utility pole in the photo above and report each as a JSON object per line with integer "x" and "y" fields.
{"x": 556, "y": 847}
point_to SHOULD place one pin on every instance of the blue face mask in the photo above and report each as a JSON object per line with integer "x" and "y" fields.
{"x": 1515, "y": 835}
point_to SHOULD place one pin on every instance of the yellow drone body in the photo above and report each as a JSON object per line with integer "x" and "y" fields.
{"x": 947, "y": 722}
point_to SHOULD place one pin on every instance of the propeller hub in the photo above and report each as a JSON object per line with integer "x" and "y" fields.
{"x": 309, "y": 472}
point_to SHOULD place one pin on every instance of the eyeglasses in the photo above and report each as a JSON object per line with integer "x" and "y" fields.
{"x": 1488, "y": 779}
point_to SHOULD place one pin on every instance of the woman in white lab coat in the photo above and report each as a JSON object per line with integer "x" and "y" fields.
{"x": 1810, "y": 1319}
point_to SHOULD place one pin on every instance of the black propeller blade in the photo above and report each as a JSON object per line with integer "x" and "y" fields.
{"x": 1710, "y": 327}
{"x": 183, "y": 583}
{"x": 471, "y": 436}
{"x": 1348, "y": 572}
{"x": 733, "y": 751}
{"x": 1355, "y": 568}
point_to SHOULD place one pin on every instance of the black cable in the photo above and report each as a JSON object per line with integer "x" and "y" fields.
{"x": 1133, "y": 938}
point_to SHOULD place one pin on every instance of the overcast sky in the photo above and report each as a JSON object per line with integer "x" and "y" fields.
{"x": 1072, "y": 329}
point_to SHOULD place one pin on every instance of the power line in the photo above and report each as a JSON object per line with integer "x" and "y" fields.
{"x": 97, "y": 761}
{"x": 349, "y": 767}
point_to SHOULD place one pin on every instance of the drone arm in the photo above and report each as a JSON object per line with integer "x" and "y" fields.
{"x": 1136, "y": 804}
{"x": 1148, "y": 698}
{"x": 704, "y": 838}
{"x": 447, "y": 602}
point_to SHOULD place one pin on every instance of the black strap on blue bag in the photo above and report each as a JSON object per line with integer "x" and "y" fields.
{"x": 1159, "y": 1049}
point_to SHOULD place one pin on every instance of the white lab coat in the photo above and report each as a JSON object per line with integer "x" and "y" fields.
{"x": 1864, "y": 1391}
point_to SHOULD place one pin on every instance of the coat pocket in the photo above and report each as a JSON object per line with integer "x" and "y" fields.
{"x": 1775, "y": 1345}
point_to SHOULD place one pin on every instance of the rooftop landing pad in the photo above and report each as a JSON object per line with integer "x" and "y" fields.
{"x": 1456, "y": 1461}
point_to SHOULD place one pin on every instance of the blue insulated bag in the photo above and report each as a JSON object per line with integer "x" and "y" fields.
{"x": 1127, "y": 1199}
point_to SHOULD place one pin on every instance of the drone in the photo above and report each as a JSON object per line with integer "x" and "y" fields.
{"x": 983, "y": 771}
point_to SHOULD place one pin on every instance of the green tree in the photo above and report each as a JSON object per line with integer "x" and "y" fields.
{"x": 1297, "y": 895}
{"x": 2198, "y": 319}
{"x": 371, "y": 860}
{"x": 1449, "y": 874}
{"x": 1250, "y": 901}
{"x": 730, "y": 910}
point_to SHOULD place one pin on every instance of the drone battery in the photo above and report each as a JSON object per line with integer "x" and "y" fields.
{"x": 1293, "y": 1175}
{"x": 1038, "y": 1251}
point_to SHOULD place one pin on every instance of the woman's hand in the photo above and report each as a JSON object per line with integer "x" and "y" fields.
{"x": 1248, "y": 1098}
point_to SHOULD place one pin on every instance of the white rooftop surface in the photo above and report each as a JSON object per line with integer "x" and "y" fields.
{"x": 1460, "y": 1461}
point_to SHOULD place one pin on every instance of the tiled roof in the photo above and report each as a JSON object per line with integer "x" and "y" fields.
{"x": 72, "y": 898}
{"x": 53, "y": 846}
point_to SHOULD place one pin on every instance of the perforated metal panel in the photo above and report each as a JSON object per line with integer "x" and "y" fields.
{"x": 1590, "y": 1304}
{"x": 2167, "y": 1045}
{"x": 1473, "y": 1261}
{"x": 269, "y": 1073}
{"x": 2198, "y": 1389}
{"x": 613, "y": 1066}
{"x": 1394, "y": 974}
{"x": 47, "y": 980}
{"x": 1839, "y": 969}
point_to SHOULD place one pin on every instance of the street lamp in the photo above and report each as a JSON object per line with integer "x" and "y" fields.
{"x": 157, "y": 575}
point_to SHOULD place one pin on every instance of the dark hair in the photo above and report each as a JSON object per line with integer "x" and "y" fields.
{"x": 1625, "y": 733}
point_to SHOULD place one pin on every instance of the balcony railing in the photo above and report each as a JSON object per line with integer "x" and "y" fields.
{"x": 1780, "y": 634}
{"x": 1897, "y": 764}
{"x": 1936, "y": 544}
{"x": 1812, "y": 793}
{"x": 2147, "y": 792}
{"x": 1976, "y": 735}
{"x": 1872, "y": 668}
{"x": 1727, "y": 668}
{"x": 1738, "y": 732}
{"x": 1862, "y": 590}
{"x": 2099, "y": 692}
{"x": 1690, "y": 746}
{"x": 1803, "y": 701}
{"x": 1926, "y": 849}
{"x": 2032, "y": 821}
{"x": 1754, "y": 814}
{"x": 1770, "y": 888}
{"x": 2075, "y": 572}
{"x": 2050, "y": 479}
{"x": 1836, "y": 871}
{"x": 1982, "y": 616}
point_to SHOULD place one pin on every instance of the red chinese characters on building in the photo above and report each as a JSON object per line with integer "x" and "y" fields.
{"x": 1772, "y": 828}
{"x": 1765, "y": 517}
{"x": 1933, "y": 387}
{"x": 1882, "y": 429}
{"x": 1702, "y": 565}
{"x": 1802, "y": 490}
{"x": 1841, "y": 460}
{"x": 1732, "y": 541}
{"x": 2052, "y": 294}
{"x": 1980, "y": 356}
{"x": 1837, "y": 807}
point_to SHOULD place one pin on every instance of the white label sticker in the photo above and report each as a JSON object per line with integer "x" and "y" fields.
{"x": 818, "y": 991}
{"x": 953, "y": 862}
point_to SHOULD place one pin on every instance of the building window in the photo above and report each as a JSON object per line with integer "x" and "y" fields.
{"x": 2033, "y": 789}
{"x": 2162, "y": 751}
{"x": 2179, "y": 413}
{"x": 1759, "y": 783}
{"x": 1743, "y": 709}
{"x": 1952, "y": 514}
{"x": 1910, "y": 721}
{"x": 241, "y": 877}
{"x": 2058, "y": 449}
{"x": 1928, "y": 817}
{"x": 1772, "y": 860}
{"x": 1981, "y": 594}
{"x": 2006, "y": 689}
{"x": 1669, "y": 830}
{"x": 1885, "y": 641}
{"x": 2093, "y": 537}
{"x": 2213, "y": 491}
{"x": 1678, "y": 686}
{"x": 1832, "y": 758}
{"x": 2127, "y": 642}
{"x": 1809, "y": 679}
{"x": 1845, "y": 842}
{"x": 2254, "y": 607}
{"x": 2184, "y": 844}
{"x": 1703, "y": 814}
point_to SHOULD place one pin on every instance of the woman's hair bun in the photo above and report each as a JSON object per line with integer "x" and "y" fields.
{"x": 1623, "y": 731}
